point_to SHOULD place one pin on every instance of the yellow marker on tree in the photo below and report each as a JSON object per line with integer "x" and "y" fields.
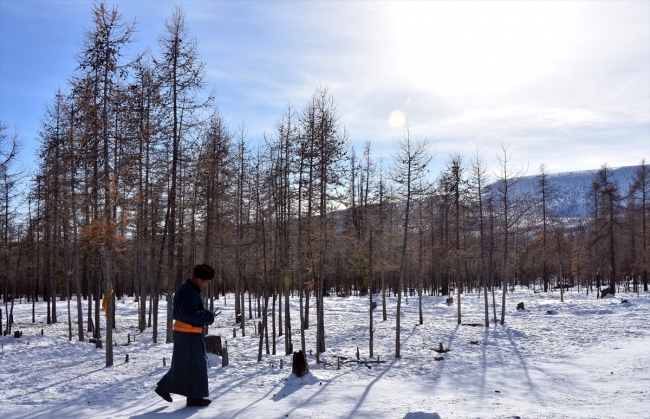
{"x": 105, "y": 302}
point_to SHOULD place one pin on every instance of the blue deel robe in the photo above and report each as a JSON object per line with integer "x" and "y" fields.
{"x": 188, "y": 375}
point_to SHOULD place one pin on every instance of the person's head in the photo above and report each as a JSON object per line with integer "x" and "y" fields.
{"x": 202, "y": 275}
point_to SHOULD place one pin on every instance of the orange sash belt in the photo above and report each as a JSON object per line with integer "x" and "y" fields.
{"x": 181, "y": 326}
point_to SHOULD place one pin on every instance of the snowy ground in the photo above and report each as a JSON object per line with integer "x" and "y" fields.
{"x": 588, "y": 359}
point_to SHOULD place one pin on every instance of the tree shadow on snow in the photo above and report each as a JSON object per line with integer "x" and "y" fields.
{"x": 484, "y": 360}
{"x": 226, "y": 388}
{"x": 550, "y": 376}
{"x": 88, "y": 401}
{"x": 524, "y": 366}
{"x": 64, "y": 410}
{"x": 369, "y": 386}
{"x": 309, "y": 379}
{"x": 450, "y": 343}
{"x": 293, "y": 384}
{"x": 422, "y": 415}
{"x": 452, "y": 336}
{"x": 180, "y": 413}
{"x": 40, "y": 389}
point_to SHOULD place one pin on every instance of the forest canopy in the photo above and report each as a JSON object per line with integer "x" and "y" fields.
{"x": 140, "y": 176}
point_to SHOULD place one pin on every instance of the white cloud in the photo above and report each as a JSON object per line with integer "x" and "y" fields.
{"x": 546, "y": 77}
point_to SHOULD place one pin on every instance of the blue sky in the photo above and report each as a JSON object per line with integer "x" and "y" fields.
{"x": 561, "y": 83}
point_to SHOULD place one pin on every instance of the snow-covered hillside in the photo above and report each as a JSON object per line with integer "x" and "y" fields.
{"x": 569, "y": 198}
{"x": 588, "y": 358}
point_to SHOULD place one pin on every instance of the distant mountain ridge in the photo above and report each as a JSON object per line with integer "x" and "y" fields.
{"x": 571, "y": 188}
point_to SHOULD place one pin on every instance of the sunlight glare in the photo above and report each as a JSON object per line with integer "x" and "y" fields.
{"x": 397, "y": 119}
{"x": 475, "y": 47}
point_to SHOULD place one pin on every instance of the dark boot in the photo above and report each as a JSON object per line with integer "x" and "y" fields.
{"x": 163, "y": 394}
{"x": 198, "y": 402}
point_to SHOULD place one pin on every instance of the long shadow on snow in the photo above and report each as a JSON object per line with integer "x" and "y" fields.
{"x": 452, "y": 337}
{"x": 243, "y": 409}
{"x": 291, "y": 387}
{"x": 182, "y": 413}
{"x": 223, "y": 390}
{"x": 372, "y": 383}
{"x": 308, "y": 401}
{"x": 487, "y": 331}
{"x": 226, "y": 388}
{"x": 80, "y": 402}
{"x": 485, "y": 362}
{"x": 531, "y": 385}
{"x": 50, "y": 385}
{"x": 293, "y": 384}
{"x": 486, "y": 335}
{"x": 450, "y": 342}
{"x": 549, "y": 376}
{"x": 367, "y": 390}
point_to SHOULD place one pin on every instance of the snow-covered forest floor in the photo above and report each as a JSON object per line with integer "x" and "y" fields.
{"x": 589, "y": 358}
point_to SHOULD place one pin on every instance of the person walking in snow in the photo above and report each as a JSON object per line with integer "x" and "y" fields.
{"x": 188, "y": 375}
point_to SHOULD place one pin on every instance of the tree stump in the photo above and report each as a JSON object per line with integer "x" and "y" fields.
{"x": 224, "y": 357}
{"x": 520, "y": 306}
{"x": 213, "y": 344}
{"x": 16, "y": 334}
{"x": 441, "y": 349}
{"x": 373, "y": 305}
{"x": 300, "y": 366}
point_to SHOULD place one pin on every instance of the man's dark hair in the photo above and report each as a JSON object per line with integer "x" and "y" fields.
{"x": 203, "y": 271}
